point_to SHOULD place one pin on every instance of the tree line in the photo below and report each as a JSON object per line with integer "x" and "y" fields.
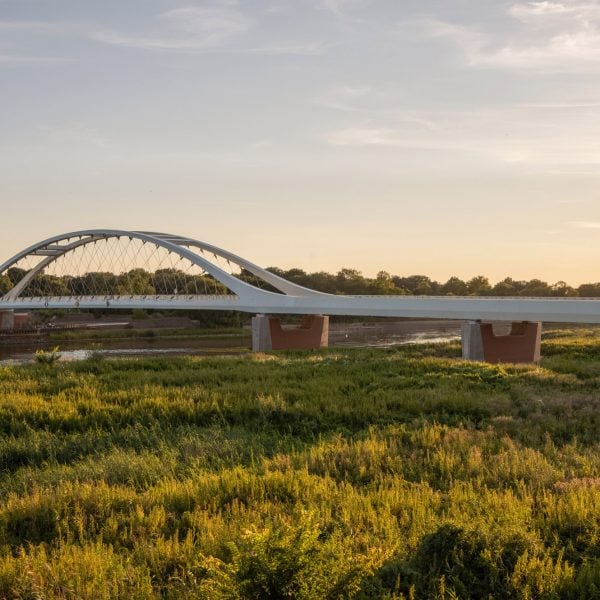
{"x": 351, "y": 281}
{"x": 345, "y": 281}
{"x": 135, "y": 282}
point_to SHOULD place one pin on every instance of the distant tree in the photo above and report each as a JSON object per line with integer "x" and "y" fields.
{"x": 416, "y": 284}
{"x": 276, "y": 271}
{"x": 506, "y": 287}
{"x": 15, "y": 274}
{"x": 561, "y": 290}
{"x": 293, "y": 274}
{"x": 384, "y": 285}
{"x": 536, "y": 288}
{"x": 297, "y": 276}
{"x": 46, "y": 285}
{"x": 251, "y": 279}
{"x": 322, "y": 282}
{"x": 94, "y": 284}
{"x": 174, "y": 281}
{"x": 207, "y": 284}
{"x": 350, "y": 281}
{"x": 136, "y": 282}
{"x": 455, "y": 287}
{"x": 589, "y": 290}
{"x": 479, "y": 286}
{"x": 5, "y": 284}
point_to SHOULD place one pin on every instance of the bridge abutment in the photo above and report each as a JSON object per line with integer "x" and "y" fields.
{"x": 268, "y": 334}
{"x": 7, "y": 319}
{"x": 521, "y": 345}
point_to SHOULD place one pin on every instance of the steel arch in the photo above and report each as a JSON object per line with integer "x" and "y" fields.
{"x": 50, "y": 249}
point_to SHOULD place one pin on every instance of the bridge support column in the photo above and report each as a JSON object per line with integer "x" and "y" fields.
{"x": 268, "y": 334}
{"x": 261, "y": 334}
{"x": 7, "y": 319}
{"x": 472, "y": 344}
{"x": 521, "y": 345}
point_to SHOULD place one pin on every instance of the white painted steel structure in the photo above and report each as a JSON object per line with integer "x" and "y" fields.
{"x": 291, "y": 299}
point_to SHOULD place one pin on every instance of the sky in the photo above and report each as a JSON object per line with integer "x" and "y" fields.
{"x": 440, "y": 137}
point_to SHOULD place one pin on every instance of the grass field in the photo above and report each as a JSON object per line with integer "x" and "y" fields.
{"x": 401, "y": 473}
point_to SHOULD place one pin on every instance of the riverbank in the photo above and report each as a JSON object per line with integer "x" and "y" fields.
{"x": 195, "y": 341}
{"x": 372, "y": 473}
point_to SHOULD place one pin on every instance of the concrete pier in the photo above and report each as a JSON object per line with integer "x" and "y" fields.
{"x": 261, "y": 334}
{"x": 521, "y": 344}
{"x": 472, "y": 344}
{"x": 268, "y": 334}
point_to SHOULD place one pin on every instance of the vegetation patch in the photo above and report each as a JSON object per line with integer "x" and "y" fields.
{"x": 344, "y": 473}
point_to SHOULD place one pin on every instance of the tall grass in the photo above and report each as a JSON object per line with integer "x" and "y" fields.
{"x": 402, "y": 473}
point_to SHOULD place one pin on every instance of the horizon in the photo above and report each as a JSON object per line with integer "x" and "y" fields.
{"x": 367, "y": 274}
{"x": 336, "y": 271}
{"x": 450, "y": 140}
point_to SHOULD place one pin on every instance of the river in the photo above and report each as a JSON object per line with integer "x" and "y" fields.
{"x": 376, "y": 334}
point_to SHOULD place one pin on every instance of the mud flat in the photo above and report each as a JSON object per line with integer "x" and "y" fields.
{"x": 387, "y": 333}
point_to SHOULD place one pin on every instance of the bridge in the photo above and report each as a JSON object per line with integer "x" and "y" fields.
{"x": 120, "y": 269}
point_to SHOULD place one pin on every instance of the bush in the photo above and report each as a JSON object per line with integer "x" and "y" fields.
{"x": 45, "y": 357}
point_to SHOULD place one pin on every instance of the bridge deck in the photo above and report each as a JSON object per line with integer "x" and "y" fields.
{"x": 561, "y": 310}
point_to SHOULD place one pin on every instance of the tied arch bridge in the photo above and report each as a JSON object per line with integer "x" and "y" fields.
{"x": 121, "y": 269}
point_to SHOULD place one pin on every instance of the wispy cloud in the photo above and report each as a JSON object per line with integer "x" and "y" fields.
{"x": 516, "y": 135}
{"x": 548, "y": 11}
{"x": 345, "y": 98}
{"x": 190, "y": 28}
{"x": 555, "y": 36}
{"x": 341, "y": 8}
{"x": 367, "y": 136}
{"x": 470, "y": 42}
{"x": 569, "y": 51}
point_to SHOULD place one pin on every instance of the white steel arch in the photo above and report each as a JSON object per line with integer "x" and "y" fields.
{"x": 292, "y": 298}
{"x": 51, "y": 249}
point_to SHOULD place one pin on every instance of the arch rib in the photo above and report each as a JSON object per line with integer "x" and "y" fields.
{"x": 283, "y": 285}
{"x": 237, "y": 286}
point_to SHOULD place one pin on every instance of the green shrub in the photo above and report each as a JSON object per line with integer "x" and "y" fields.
{"x": 45, "y": 357}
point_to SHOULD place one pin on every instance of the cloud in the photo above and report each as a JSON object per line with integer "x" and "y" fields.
{"x": 576, "y": 51}
{"x": 190, "y": 28}
{"x": 366, "y": 136}
{"x": 342, "y": 7}
{"x": 516, "y": 135}
{"x": 344, "y": 98}
{"x": 538, "y": 12}
{"x": 555, "y": 36}
{"x": 469, "y": 41}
